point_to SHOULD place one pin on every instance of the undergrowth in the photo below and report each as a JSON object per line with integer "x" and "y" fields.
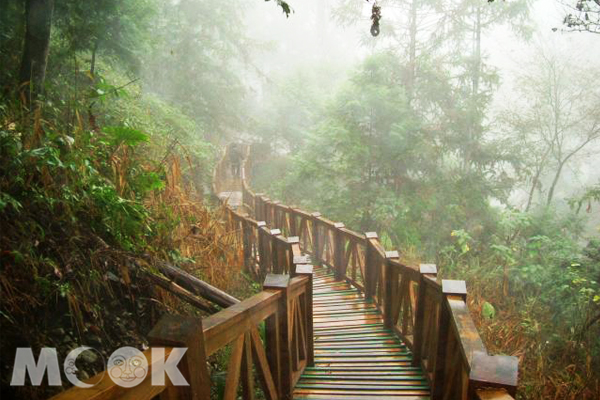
{"x": 533, "y": 280}
{"x": 97, "y": 185}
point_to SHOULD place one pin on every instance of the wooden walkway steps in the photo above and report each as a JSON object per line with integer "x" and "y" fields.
{"x": 356, "y": 357}
{"x": 233, "y": 199}
{"x": 357, "y": 349}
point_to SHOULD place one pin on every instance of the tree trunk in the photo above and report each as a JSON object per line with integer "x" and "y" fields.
{"x": 38, "y": 21}
{"x": 536, "y": 179}
{"x": 554, "y": 182}
{"x": 473, "y": 128}
{"x": 477, "y": 54}
{"x": 93, "y": 62}
{"x": 412, "y": 61}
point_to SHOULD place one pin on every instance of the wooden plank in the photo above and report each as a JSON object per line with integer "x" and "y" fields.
{"x": 264, "y": 372}
{"x": 104, "y": 387}
{"x": 246, "y": 371}
{"x": 233, "y": 369}
{"x": 180, "y": 292}
{"x": 493, "y": 394}
{"x": 197, "y": 286}
{"x": 181, "y": 331}
{"x": 225, "y": 326}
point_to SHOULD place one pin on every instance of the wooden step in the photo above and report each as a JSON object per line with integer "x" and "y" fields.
{"x": 356, "y": 357}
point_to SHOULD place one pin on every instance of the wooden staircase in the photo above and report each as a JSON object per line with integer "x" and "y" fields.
{"x": 356, "y": 357}
{"x": 343, "y": 319}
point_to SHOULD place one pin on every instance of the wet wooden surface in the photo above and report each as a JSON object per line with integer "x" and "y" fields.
{"x": 233, "y": 199}
{"x": 356, "y": 357}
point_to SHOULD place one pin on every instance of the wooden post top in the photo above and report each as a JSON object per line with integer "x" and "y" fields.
{"x": 293, "y": 239}
{"x": 454, "y": 288}
{"x": 260, "y": 224}
{"x": 301, "y": 259}
{"x": 392, "y": 254}
{"x": 304, "y": 269}
{"x": 429, "y": 269}
{"x": 315, "y": 214}
{"x": 371, "y": 235}
{"x": 338, "y": 225}
{"x": 174, "y": 330}
{"x": 276, "y": 281}
{"x": 275, "y": 232}
{"x": 496, "y": 371}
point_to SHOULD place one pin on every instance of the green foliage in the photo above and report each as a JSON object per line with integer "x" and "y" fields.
{"x": 373, "y": 164}
{"x": 488, "y": 310}
{"x": 123, "y": 135}
{"x": 117, "y": 29}
{"x": 200, "y": 46}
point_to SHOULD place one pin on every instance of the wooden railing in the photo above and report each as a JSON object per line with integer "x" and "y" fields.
{"x": 430, "y": 315}
{"x": 283, "y": 311}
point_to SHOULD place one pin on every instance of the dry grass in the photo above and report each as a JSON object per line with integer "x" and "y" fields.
{"x": 546, "y": 371}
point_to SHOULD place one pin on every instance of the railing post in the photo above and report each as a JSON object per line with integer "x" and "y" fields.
{"x": 263, "y": 248}
{"x": 268, "y": 211}
{"x": 492, "y": 374}
{"x": 278, "y": 335}
{"x": 293, "y": 251}
{"x": 307, "y": 270}
{"x": 293, "y": 221}
{"x": 180, "y": 331}
{"x": 426, "y": 271}
{"x": 338, "y": 252}
{"x": 247, "y": 246}
{"x": 316, "y": 240}
{"x": 450, "y": 289}
{"x": 391, "y": 285}
{"x": 276, "y": 266}
{"x": 370, "y": 273}
{"x": 276, "y": 215}
{"x": 258, "y": 212}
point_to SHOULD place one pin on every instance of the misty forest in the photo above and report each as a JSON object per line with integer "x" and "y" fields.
{"x": 317, "y": 199}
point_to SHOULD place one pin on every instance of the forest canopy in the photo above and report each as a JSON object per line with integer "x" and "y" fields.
{"x": 465, "y": 132}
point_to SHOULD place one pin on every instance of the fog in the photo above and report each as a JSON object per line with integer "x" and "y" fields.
{"x": 317, "y": 42}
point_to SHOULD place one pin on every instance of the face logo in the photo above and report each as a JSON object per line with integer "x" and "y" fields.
{"x": 127, "y": 366}
{"x": 70, "y": 367}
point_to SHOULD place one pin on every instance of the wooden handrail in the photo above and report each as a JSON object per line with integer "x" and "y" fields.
{"x": 285, "y": 306}
{"x": 431, "y": 317}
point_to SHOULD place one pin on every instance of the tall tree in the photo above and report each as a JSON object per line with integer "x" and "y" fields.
{"x": 38, "y": 16}
{"x": 556, "y": 120}
{"x": 467, "y": 23}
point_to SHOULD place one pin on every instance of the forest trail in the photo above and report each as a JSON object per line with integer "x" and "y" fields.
{"x": 356, "y": 356}
{"x": 232, "y": 199}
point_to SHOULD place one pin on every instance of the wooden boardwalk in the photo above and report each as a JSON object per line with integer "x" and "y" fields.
{"x": 232, "y": 199}
{"x": 356, "y": 357}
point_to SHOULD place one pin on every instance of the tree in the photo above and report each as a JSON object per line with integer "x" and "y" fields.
{"x": 112, "y": 27}
{"x": 376, "y": 164}
{"x": 582, "y": 15}
{"x": 38, "y": 16}
{"x": 557, "y": 118}
{"x": 467, "y": 23}
{"x": 200, "y": 49}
